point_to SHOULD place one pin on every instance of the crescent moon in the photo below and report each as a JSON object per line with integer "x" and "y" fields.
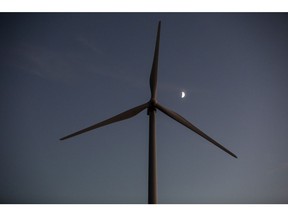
{"x": 182, "y": 94}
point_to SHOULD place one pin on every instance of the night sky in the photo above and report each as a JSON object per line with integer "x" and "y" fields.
{"x": 60, "y": 73}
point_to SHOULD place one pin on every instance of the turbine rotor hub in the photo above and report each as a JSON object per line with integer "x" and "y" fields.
{"x": 152, "y": 106}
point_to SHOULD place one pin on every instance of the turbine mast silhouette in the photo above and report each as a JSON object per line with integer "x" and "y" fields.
{"x": 151, "y": 107}
{"x": 152, "y": 168}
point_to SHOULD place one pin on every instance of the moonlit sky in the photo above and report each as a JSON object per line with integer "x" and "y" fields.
{"x": 63, "y": 72}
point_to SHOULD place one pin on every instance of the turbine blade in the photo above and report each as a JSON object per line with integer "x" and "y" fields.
{"x": 153, "y": 75}
{"x": 186, "y": 123}
{"x": 122, "y": 116}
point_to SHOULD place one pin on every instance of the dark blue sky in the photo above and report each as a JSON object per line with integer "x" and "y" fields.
{"x": 62, "y": 72}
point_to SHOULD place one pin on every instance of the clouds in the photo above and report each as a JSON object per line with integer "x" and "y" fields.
{"x": 44, "y": 61}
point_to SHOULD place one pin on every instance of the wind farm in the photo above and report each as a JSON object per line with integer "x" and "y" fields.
{"x": 152, "y": 106}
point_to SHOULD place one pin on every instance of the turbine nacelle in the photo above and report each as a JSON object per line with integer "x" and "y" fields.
{"x": 151, "y": 106}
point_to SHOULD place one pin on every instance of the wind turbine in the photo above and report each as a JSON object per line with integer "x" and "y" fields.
{"x": 152, "y": 105}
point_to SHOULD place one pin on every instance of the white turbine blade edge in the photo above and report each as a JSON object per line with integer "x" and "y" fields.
{"x": 153, "y": 75}
{"x": 186, "y": 123}
{"x": 122, "y": 116}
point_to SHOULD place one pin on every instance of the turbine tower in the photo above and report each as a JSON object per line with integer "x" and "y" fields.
{"x": 152, "y": 105}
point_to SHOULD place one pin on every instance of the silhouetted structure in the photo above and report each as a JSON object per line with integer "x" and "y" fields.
{"x": 152, "y": 105}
